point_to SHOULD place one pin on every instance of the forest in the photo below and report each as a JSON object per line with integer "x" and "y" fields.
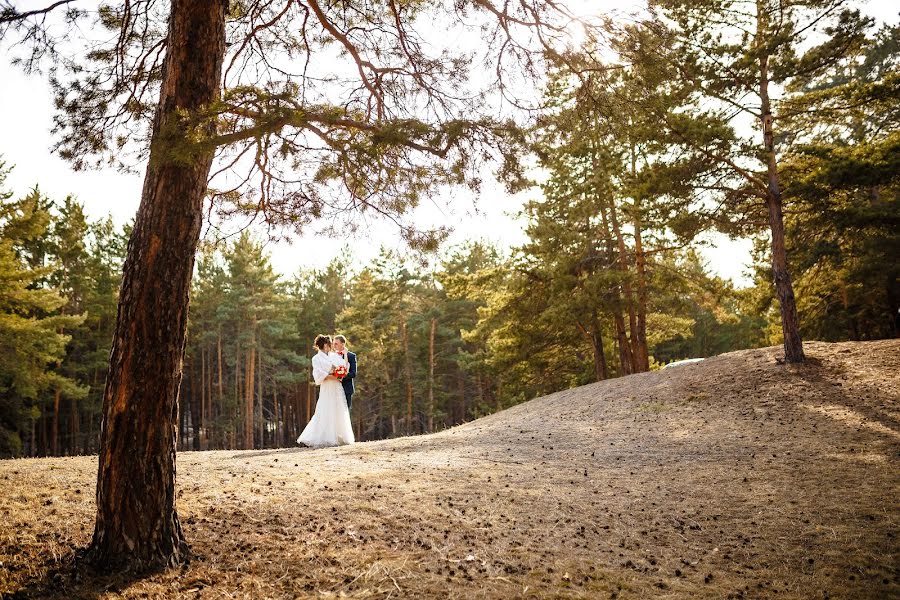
{"x": 638, "y": 168}
{"x": 439, "y": 345}
{"x": 636, "y": 135}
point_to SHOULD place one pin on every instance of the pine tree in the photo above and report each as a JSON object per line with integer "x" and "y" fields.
{"x": 843, "y": 176}
{"x": 393, "y": 132}
{"x": 737, "y": 56}
{"x": 32, "y": 338}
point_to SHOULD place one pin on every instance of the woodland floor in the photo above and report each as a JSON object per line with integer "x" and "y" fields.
{"x": 735, "y": 477}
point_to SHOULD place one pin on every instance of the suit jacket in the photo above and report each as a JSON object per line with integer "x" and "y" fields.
{"x": 347, "y": 381}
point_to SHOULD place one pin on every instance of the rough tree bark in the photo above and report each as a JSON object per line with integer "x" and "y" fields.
{"x": 790, "y": 321}
{"x": 137, "y": 525}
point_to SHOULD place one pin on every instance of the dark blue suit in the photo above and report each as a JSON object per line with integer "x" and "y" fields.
{"x": 347, "y": 381}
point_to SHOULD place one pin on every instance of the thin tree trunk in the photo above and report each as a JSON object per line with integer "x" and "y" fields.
{"x": 221, "y": 382}
{"x": 641, "y": 352}
{"x": 278, "y": 433}
{"x": 790, "y": 321}
{"x": 259, "y": 406}
{"x": 625, "y": 358}
{"x": 431, "y": 374}
{"x": 90, "y": 436}
{"x": 479, "y": 385}
{"x": 183, "y": 416}
{"x": 54, "y": 437}
{"x": 74, "y": 426}
{"x": 238, "y": 405}
{"x": 407, "y": 368}
{"x": 137, "y": 524}
{"x": 600, "y": 370}
{"x": 195, "y": 407}
{"x": 461, "y": 391}
{"x": 45, "y": 443}
{"x": 204, "y": 396}
{"x": 248, "y": 392}
{"x": 627, "y": 292}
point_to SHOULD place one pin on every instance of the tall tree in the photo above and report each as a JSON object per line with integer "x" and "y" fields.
{"x": 33, "y": 329}
{"x": 136, "y": 520}
{"x": 740, "y": 56}
{"x": 843, "y": 176}
{"x": 392, "y": 134}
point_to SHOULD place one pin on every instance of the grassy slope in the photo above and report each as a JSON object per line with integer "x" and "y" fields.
{"x": 735, "y": 477}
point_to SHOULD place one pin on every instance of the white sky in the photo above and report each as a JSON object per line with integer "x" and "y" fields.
{"x": 25, "y": 141}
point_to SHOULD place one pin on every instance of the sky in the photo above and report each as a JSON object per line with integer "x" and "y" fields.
{"x": 25, "y": 141}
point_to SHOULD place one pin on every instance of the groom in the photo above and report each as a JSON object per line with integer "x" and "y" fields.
{"x": 340, "y": 346}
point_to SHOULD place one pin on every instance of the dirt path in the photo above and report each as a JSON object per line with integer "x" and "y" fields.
{"x": 731, "y": 478}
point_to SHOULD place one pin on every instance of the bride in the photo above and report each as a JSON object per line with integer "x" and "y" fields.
{"x": 330, "y": 424}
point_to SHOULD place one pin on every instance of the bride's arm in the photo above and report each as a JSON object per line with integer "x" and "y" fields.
{"x": 321, "y": 370}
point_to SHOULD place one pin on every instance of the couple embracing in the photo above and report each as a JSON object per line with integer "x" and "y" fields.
{"x": 334, "y": 368}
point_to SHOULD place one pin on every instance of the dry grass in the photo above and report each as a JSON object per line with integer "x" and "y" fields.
{"x": 736, "y": 477}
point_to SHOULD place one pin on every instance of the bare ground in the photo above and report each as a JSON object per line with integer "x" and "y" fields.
{"x": 733, "y": 478}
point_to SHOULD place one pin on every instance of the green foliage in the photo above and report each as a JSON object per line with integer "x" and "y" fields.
{"x": 642, "y": 152}
{"x": 34, "y": 325}
{"x": 843, "y": 179}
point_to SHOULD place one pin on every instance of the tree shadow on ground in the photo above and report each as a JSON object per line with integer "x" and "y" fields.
{"x": 70, "y": 576}
{"x": 864, "y": 405}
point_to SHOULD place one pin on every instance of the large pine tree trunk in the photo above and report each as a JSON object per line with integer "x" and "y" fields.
{"x": 137, "y": 525}
{"x": 790, "y": 321}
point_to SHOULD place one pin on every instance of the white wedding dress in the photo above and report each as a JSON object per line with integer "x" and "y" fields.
{"x": 330, "y": 424}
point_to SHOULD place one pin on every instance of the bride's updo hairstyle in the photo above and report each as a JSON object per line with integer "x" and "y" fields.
{"x": 321, "y": 340}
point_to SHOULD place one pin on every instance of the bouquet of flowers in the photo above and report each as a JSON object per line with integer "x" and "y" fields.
{"x": 340, "y": 371}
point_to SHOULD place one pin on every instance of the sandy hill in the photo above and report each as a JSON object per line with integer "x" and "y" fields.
{"x": 734, "y": 477}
